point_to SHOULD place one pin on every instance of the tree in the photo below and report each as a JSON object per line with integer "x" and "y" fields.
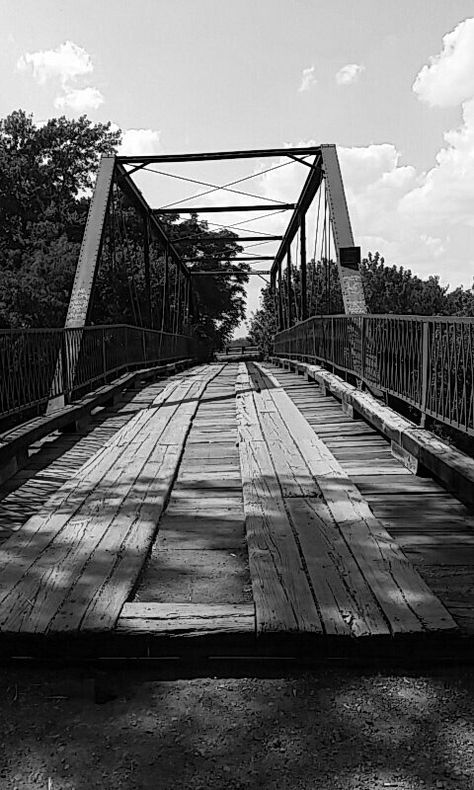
{"x": 388, "y": 289}
{"x": 219, "y": 299}
{"x": 121, "y": 292}
{"x": 45, "y": 174}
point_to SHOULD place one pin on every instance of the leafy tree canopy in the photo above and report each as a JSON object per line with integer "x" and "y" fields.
{"x": 388, "y": 289}
{"x": 46, "y": 173}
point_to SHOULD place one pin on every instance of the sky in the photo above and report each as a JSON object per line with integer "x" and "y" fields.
{"x": 390, "y": 83}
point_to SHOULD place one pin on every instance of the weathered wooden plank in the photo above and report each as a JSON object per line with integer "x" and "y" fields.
{"x": 89, "y": 538}
{"x": 406, "y": 600}
{"x": 346, "y": 603}
{"x": 32, "y": 604}
{"x": 281, "y": 591}
{"x": 186, "y": 619}
{"x": 94, "y": 602}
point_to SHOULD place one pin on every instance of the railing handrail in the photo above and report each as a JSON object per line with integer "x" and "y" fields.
{"x": 56, "y": 329}
{"x": 426, "y": 361}
{"x": 394, "y": 316}
{"x": 55, "y": 366}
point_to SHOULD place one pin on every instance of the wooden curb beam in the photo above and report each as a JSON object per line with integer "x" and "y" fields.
{"x": 417, "y": 448}
{"x": 15, "y": 442}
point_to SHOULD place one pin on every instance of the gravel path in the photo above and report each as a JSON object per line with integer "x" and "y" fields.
{"x": 323, "y": 731}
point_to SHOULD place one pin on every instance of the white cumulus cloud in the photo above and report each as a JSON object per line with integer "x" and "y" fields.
{"x": 70, "y": 66}
{"x": 67, "y": 62}
{"x": 138, "y": 142}
{"x": 448, "y": 78}
{"x": 349, "y": 74}
{"x": 308, "y": 79}
{"x": 80, "y": 99}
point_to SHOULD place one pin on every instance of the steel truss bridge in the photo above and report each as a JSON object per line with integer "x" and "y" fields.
{"x": 155, "y": 504}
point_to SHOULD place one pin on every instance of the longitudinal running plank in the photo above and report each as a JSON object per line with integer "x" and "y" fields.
{"x": 405, "y": 599}
{"x": 281, "y": 591}
{"x": 81, "y": 556}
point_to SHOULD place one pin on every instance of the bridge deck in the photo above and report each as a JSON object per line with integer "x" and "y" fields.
{"x": 231, "y": 510}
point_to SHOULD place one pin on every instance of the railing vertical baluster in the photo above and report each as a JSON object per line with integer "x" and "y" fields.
{"x": 363, "y": 333}
{"x": 425, "y": 359}
{"x": 143, "y": 345}
{"x": 333, "y": 358}
{"x": 104, "y": 357}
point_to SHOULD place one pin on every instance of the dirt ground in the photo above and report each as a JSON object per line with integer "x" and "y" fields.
{"x": 327, "y": 729}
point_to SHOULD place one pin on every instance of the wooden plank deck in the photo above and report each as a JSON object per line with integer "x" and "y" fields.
{"x": 208, "y": 515}
{"x": 432, "y": 527}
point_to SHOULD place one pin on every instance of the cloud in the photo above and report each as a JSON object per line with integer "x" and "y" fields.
{"x": 446, "y": 192}
{"x": 138, "y": 142}
{"x": 448, "y": 78}
{"x": 349, "y": 74}
{"x": 307, "y": 79}
{"x": 80, "y": 99}
{"x": 67, "y": 62}
{"x": 69, "y": 65}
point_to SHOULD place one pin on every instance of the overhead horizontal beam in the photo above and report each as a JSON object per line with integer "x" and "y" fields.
{"x": 213, "y": 209}
{"x": 224, "y": 271}
{"x": 310, "y": 188}
{"x": 237, "y": 258}
{"x": 237, "y": 239}
{"x": 128, "y": 186}
{"x": 255, "y": 153}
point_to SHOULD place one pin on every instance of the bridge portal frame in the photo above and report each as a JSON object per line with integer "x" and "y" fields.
{"x": 325, "y": 166}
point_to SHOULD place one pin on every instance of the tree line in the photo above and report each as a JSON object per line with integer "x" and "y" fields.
{"x": 388, "y": 289}
{"x": 46, "y": 175}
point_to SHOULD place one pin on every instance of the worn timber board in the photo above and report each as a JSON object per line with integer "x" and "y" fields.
{"x": 72, "y": 566}
{"x": 416, "y": 524}
{"x": 398, "y": 594}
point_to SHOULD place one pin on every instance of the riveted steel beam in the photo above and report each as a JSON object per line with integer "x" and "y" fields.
{"x": 348, "y": 256}
{"x": 310, "y": 188}
{"x": 255, "y": 153}
{"x": 215, "y": 209}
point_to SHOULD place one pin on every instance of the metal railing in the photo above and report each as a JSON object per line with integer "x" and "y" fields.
{"x": 37, "y": 365}
{"x": 426, "y": 361}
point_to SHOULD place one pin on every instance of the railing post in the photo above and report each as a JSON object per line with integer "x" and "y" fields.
{"x": 64, "y": 366}
{"x": 332, "y": 344}
{"x": 363, "y": 338}
{"x": 425, "y": 359}
{"x": 143, "y": 345}
{"x": 127, "y": 355}
{"x": 104, "y": 357}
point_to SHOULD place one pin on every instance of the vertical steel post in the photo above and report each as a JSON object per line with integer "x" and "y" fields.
{"x": 165, "y": 305}
{"x": 425, "y": 359}
{"x": 146, "y": 261}
{"x": 363, "y": 343}
{"x": 104, "y": 358}
{"x": 178, "y": 305}
{"x": 289, "y": 287}
{"x": 280, "y": 300}
{"x": 304, "y": 300}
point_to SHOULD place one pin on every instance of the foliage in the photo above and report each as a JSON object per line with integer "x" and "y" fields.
{"x": 388, "y": 289}
{"x": 46, "y": 173}
{"x": 219, "y": 299}
{"x": 121, "y": 291}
